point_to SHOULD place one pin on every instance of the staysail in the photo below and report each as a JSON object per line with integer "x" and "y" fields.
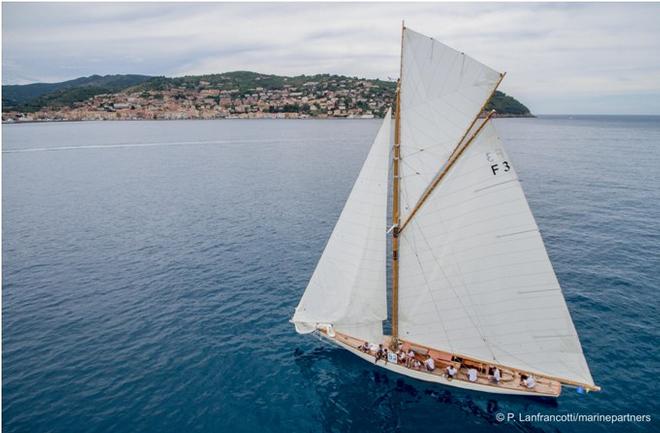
{"x": 348, "y": 287}
{"x": 474, "y": 275}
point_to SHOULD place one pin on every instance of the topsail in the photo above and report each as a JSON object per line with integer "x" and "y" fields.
{"x": 442, "y": 92}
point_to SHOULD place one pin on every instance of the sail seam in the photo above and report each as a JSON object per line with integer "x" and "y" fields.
{"x": 494, "y": 185}
{"x": 518, "y": 233}
{"x": 430, "y": 292}
{"x": 458, "y": 297}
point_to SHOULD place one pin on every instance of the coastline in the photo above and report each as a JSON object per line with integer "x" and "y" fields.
{"x": 18, "y": 122}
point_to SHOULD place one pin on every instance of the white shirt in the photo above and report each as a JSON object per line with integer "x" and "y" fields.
{"x": 496, "y": 374}
{"x": 430, "y": 364}
{"x": 451, "y": 370}
{"x": 530, "y": 382}
{"x": 472, "y": 375}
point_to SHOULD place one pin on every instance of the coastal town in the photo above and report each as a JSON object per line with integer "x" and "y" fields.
{"x": 229, "y": 95}
{"x": 332, "y": 97}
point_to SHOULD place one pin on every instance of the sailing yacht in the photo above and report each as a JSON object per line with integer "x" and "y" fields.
{"x": 473, "y": 288}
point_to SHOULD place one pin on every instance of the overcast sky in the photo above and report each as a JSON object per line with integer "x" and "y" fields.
{"x": 559, "y": 58}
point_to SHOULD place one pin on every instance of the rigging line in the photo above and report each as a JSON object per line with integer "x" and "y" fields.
{"x": 427, "y": 149}
{"x": 522, "y": 361}
{"x": 458, "y": 151}
{"x": 405, "y": 196}
{"x": 427, "y": 171}
{"x": 464, "y": 284}
{"x": 490, "y": 345}
{"x": 411, "y": 244}
{"x": 472, "y": 304}
{"x": 432, "y": 153}
{"x": 476, "y": 326}
{"x": 413, "y": 169}
{"x": 456, "y": 125}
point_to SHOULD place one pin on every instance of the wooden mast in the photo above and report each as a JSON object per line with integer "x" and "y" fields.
{"x": 396, "y": 200}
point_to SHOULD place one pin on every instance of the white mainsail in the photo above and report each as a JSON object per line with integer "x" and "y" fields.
{"x": 474, "y": 275}
{"x": 475, "y": 278}
{"x": 348, "y": 287}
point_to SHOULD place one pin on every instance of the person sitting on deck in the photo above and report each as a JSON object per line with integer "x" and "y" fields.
{"x": 365, "y": 347}
{"x": 529, "y": 382}
{"x": 472, "y": 374}
{"x": 401, "y": 355}
{"x": 523, "y": 379}
{"x": 429, "y": 364}
{"x": 451, "y": 372}
{"x": 411, "y": 359}
{"x": 497, "y": 375}
{"x": 385, "y": 355}
{"x": 379, "y": 353}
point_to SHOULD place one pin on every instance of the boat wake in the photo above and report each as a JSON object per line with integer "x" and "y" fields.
{"x": 159, "y": 144}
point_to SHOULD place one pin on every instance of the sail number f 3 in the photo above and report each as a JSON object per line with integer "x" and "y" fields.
{"x": 495, "y": 166}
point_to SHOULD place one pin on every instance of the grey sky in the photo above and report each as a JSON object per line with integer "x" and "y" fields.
{"x": 559, "y": 58}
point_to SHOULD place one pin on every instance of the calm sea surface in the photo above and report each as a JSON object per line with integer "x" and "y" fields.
{"x": 150, "y": 270}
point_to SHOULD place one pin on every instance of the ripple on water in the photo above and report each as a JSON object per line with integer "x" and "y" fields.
{"x": 150, "y": 269}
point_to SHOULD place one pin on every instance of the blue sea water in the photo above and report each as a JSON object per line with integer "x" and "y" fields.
{"x": 150, "y": 270}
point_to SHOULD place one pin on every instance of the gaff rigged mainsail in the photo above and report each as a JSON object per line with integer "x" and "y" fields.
{"x": 348, "y": 287}
{"x": 474, "y": 276}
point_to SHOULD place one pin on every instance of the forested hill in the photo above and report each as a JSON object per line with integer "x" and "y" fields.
{"x": 310, "y": 95}
{"x": 17, "y": 94}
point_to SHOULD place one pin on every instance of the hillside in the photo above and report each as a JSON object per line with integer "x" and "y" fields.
{"x": 230, "y": 94}
{"x": 507, "y": 105}
{"x": 30, "y": 94}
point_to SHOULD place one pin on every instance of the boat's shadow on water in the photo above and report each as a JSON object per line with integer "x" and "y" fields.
{"x": 355, "y": 396}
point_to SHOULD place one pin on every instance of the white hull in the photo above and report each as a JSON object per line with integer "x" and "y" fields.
{"x": 428, "y": 377}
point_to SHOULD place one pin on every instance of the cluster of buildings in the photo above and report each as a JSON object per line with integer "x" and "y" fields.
{"x": 332, "y": 98}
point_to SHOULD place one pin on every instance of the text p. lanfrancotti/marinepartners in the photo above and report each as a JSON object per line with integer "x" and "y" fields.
{"x": 572, "y": 417}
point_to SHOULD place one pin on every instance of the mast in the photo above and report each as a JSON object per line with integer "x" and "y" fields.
{"x": 395, "y": 200}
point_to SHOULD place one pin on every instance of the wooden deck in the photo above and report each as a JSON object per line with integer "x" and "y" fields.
{"x": 510, "y": 378}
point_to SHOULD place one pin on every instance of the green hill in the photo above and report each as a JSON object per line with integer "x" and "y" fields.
{"x": 41, "y": 94}
{"x": 33, "y": 97}
{"x": 507, "y": 105}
